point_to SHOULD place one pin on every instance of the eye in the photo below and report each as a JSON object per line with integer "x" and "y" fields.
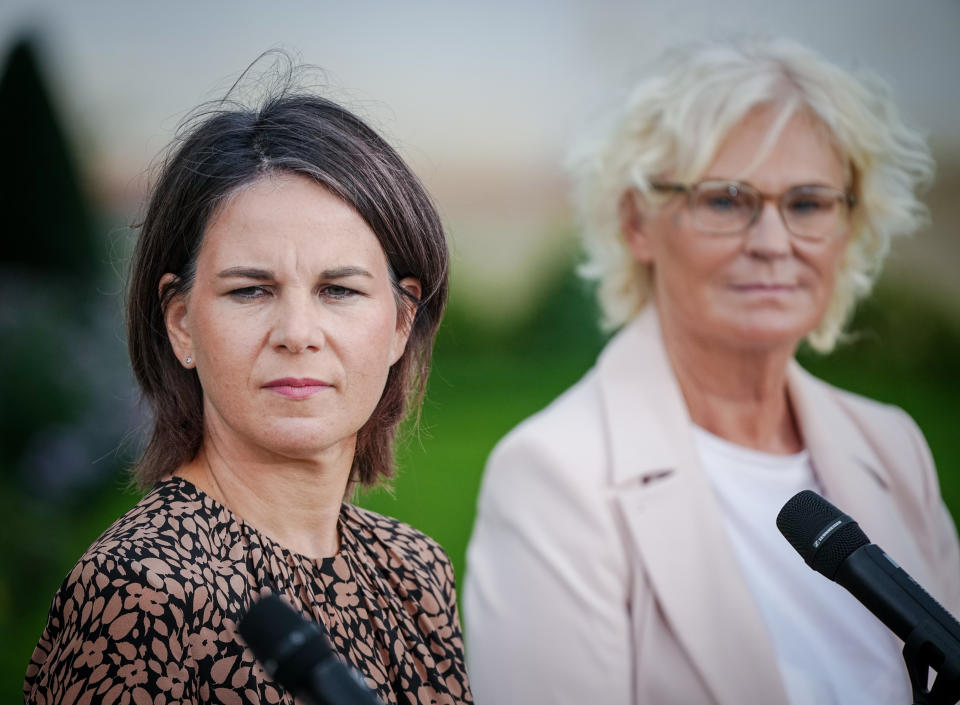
{"x": 249, "y": 293}
{"x": 811, "y": 204}
{"x": 337, "y": 292}
{"x": 720, "y": 203}
{"x": 722, "y": 198}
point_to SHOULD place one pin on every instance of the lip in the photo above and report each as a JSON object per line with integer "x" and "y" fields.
{"x": 764, "y": 288}
{"x": 296, "y": 387}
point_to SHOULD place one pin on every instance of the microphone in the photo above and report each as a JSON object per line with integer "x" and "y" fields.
{"x": 833, "y": 544}
{"x": 296, "y": 653}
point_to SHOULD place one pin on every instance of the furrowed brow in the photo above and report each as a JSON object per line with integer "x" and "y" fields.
{"x": 246, "y": 273}
{"x": 265, "y": 274}
{"x": 342, "y": 272}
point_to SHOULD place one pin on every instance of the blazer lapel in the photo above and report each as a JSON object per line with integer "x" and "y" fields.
{"x": 675, "y": 524}
{"x": 848, "y": 467}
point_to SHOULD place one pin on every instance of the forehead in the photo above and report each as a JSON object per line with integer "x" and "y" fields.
{"x": 775, "y": 150}
{"x": 288, "y": 218}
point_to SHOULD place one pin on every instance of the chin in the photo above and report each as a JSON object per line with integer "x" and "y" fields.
{"x": 763, "y": 326}
{"x": 302, "y": 439}
{"x": 769, "y": 335}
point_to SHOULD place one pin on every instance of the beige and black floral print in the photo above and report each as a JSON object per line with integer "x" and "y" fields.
{"x": 149, "y": 613}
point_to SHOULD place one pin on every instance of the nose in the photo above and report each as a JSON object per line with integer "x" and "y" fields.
{"x": 298, "y": 326}
{"x": 768, "y": 236}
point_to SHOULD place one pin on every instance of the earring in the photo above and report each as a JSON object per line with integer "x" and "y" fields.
{"x": 188, "y": 361}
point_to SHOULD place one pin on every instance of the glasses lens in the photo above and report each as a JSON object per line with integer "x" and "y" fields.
{"x": 723, "y": 206}
{"x": 814, "y": 212}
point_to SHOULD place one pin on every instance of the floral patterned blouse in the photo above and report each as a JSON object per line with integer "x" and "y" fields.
{"x": 149, "y": 613}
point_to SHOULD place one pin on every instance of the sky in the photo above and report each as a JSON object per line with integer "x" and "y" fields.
{"x": 484, "y": 99}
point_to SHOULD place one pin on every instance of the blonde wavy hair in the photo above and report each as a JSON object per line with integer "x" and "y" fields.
{"x": 673, "y": 123}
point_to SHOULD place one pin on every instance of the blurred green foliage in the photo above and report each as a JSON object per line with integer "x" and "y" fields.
{"x": 65, "y": 391}
{"x": 484, "y": 381}
{"x": 903, "y": 351}
{"x": 64, "y": 400}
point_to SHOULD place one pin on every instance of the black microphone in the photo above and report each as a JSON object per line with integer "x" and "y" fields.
{"x": 296, "y": 653}
{"x": 833, "y": 544}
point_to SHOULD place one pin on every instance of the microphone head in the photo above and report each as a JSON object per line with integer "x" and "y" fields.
{"x": 287, "y": 644}
{"x": 822, "y": 534}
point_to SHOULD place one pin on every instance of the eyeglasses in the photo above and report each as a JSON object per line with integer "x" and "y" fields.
{"x": 815, "y": 213}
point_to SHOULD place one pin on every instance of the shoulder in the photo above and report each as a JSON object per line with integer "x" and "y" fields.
{"x": 145, "y": 553}
{"x": 120, "y": 614}
{"x": 880, "y": 436}
{"x": 885, "y": 426}
{"x": 855, "y": 404}
{"x": 897, "y": 445}
{"x": 375, "y": 528}
{"x": 146, "y": 560}
{"x": 548, "y": 481}
{"x": 113, "y": 595}
{"x": 397, "y": 547}
{"x": 567, "y": 435}
{"x": 627, "y": 392}
{"x": 162, "y": 534}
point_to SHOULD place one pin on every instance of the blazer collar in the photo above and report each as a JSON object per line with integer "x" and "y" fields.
{"x": 676, "y": 525}
{"x": 642, "y": 399}
{"x": 853, "y": 476}
{"x": 846, "y": 464}
{"x": 673, "y": 519}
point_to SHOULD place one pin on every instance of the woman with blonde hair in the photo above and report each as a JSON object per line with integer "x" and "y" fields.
{"x": 739, "y": 203}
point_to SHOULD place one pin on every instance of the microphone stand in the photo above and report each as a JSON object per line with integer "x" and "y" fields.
{"x": 921, "y": 653}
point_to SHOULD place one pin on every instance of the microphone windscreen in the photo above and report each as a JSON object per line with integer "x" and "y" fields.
{"x": 281, "y": 638}
{"x": 822, "y": 534}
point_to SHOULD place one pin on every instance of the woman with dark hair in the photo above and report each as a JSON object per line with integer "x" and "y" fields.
{"x": 289, "y": 278}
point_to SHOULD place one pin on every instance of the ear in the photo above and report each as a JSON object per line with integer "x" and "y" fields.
{"x": 176, "y": 321}
{"x": 634, "y": 227}
{"x": 408, "y": 309}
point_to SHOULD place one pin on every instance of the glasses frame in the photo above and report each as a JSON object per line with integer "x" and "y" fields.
{"x": 848, "y": 199}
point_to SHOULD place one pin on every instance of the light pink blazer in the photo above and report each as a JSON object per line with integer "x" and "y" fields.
{"x": 599, "y": 571}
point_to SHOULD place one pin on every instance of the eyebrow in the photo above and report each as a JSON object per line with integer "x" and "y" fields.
{"x": 266, "y": 275}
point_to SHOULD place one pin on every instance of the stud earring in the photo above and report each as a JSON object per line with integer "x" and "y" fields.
{"x": 188, "y": 361}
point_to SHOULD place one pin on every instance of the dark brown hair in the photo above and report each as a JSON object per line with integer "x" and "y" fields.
{"x": 230, "y": 146}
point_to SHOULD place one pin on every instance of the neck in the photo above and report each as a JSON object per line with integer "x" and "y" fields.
{"x": 294, "y": 502}
{"x": 735, "y": 393}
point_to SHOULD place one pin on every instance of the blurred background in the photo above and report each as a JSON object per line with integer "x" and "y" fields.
{"x": 483, "y": 101}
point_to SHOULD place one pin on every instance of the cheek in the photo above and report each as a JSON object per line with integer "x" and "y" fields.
{"x": 367, "y": 367}
{"x": 227, "y": 345}
{"x": 365, "y": 344}
{"x": 825, "y": 267}
{"x": 686, "y": 266}
{"x": 377, "y": 342}
{"x": 835, "y": 260}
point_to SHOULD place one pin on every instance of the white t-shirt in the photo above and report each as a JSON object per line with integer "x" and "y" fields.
{"x": 830, "y": 648}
